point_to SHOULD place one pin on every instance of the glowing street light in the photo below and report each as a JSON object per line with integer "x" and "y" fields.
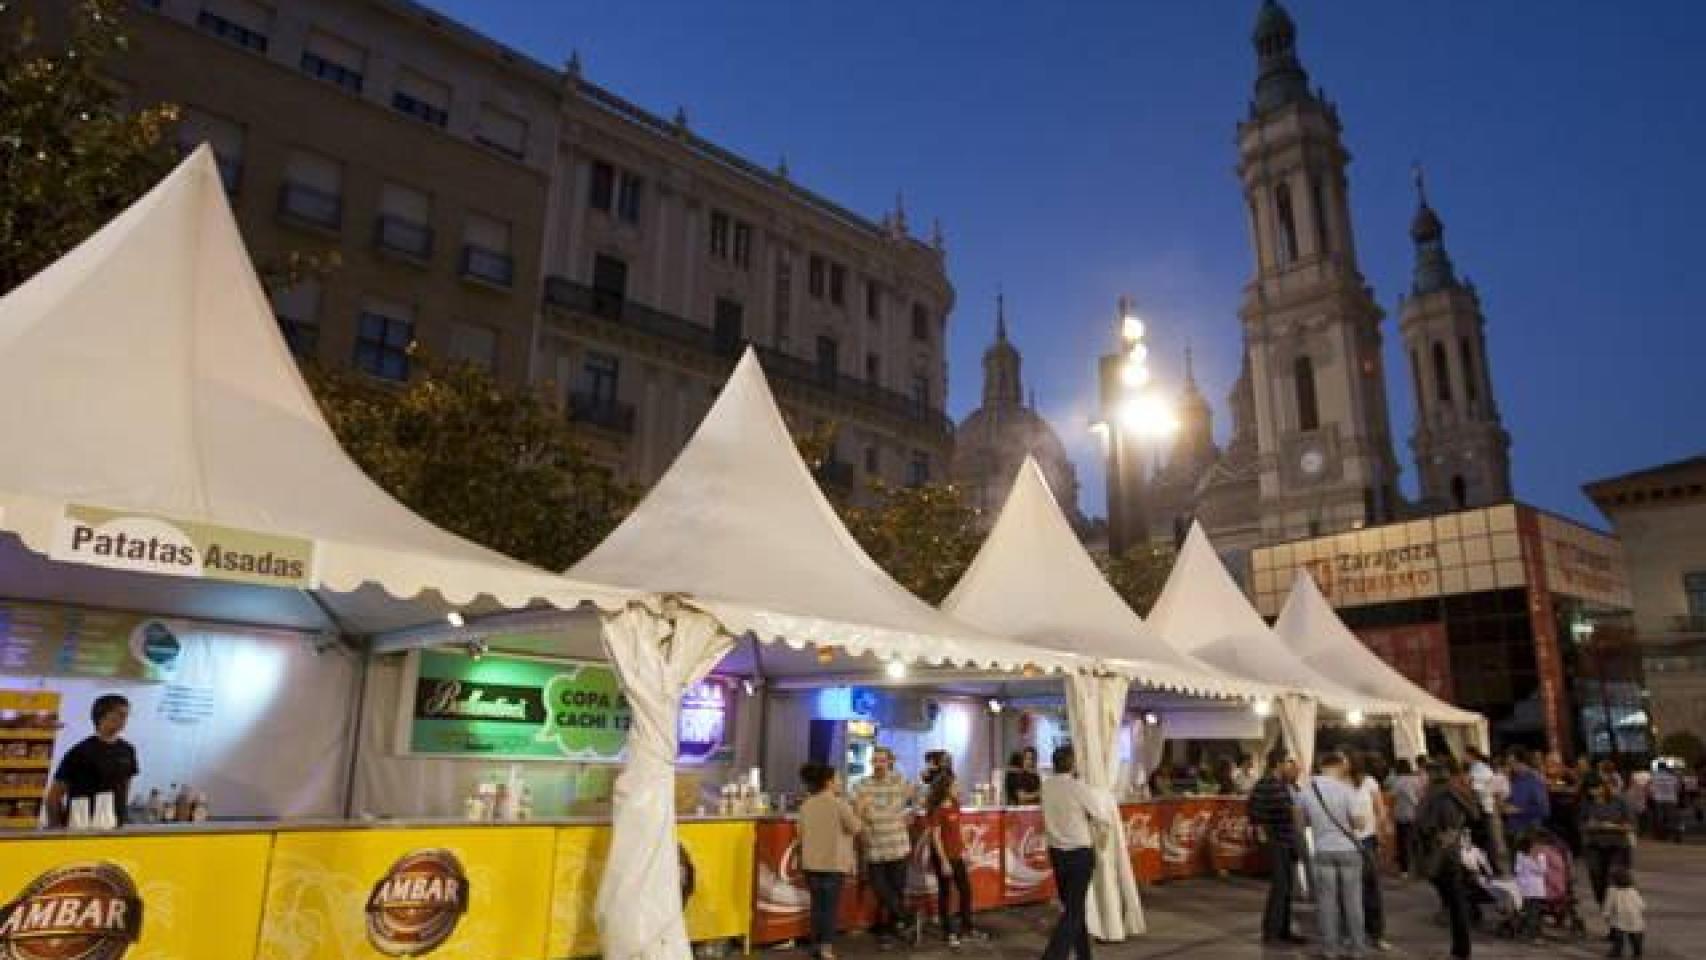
{"x": 1133, "y": 414}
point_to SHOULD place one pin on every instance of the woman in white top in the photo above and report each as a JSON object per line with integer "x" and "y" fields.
{"x": 1371, "y": 814}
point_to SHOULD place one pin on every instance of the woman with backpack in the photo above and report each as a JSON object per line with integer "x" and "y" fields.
{"x": 1449, "y": 812}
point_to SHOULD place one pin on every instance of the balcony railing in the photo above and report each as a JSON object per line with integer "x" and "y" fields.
{"x": 308, "y": 205}
{"x": 575, "y": 297}
{"x": 403, "y": 237}
{"x": 1688, "y": 624}
{"x": 487, "y": 265}
{"x": 601, "y": 412}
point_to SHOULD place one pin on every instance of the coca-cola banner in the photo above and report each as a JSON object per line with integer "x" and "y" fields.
{"x": 1232, "y": 846}
{"x": 1184, "y": 843}
{"x": 1143, "y": 825}
{"x": 782, "y": 904}
{"x": 1028, "y": 876}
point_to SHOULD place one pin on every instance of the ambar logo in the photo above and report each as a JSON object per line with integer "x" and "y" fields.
{"x": 82, "y": 911}
{"x": 416, "y": 906}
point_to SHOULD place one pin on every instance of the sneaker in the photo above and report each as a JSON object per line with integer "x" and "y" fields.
{"x": 953, "y": 942}
{"x": 1384, "y": 946}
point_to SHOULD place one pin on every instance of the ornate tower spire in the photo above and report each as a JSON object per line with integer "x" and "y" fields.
{"x": 1001, "y": 384}
{"x": 1000, "y": 317}
{"x": 1433, "y": 265}
{"x": 1280, "y": 77}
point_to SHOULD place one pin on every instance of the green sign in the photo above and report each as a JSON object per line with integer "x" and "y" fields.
{"x": 148, "y": 543}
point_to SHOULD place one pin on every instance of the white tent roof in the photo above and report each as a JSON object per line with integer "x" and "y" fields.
{"x": 738, "y": 524}
{"x": 1310, "y": 628}
{"x": 1033, "y": 581}
{"x": 1202, "y": 612}
{"x": 145, "y": 374}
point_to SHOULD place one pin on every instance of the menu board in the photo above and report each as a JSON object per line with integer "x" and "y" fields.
{"x": 45, "y": 640}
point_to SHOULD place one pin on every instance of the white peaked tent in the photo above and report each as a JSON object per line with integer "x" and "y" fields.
{"x": 1202, "y": 612}
{"x": 145, "y": 376}
{"x": 1310, "y": 627}
{"x": 738, "y": 525}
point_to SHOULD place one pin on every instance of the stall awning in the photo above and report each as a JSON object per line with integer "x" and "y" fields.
{"x": 1201, "y": 612}
{"x": 1032, "y": 581}
{"x": 1310, "y": 628}
{"x": 739, "y": 525}
{"x": 156, "y": 423}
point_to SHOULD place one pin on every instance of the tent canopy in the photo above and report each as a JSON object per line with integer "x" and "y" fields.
{"x": 149, "y": 381}
{"x": 738, "y": 524}
{"x": 1032, "y": 581}
{"x": 1202, "y": 612}
{"x": 1311, "y": 629}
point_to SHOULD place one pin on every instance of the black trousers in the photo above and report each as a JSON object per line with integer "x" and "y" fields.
{"x": 1406, "y": 837}
{"x": 1452, "y": 886}
{"x": 888, "y": 882}
{"x": 1072, "y": 872}
{"x": 1601, "y": 861}
{"x": 1282, "y": 876}
{"x": 1373, "y": 906}
{"x": 1619, "y": 937}
{"x": 953, "y": 873}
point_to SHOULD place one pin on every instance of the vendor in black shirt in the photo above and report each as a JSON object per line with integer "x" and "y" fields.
{"x": 1022, "y": 786}
{"x": 103, "y": 763}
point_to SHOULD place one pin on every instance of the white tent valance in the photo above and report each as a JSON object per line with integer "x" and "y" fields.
{"x": 151, "y": 394}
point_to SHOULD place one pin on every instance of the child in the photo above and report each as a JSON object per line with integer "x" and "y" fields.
{"x": 949, "y": 846}
{"x": 1530, "y": 869}
{"x": 1625, "y": 911}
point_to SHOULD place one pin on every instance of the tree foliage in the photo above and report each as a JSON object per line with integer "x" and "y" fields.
{"x": 72, "y": 154}
{"x": 1138, "y": 574}
{"x": 925, "y": 537}
{"x": 494, "y": 464}
{"x": 1685, "y": 744}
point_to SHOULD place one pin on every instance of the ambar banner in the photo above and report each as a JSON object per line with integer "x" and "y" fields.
{"x": 515, "y": 708}
{"x": 147, "y": 543}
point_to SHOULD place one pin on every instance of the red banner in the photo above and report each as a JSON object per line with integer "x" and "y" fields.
{"x": 1184, "y": 841}
{"x": 782, "y": 903}
{"x": 1027, "y": 876}
{"x": 982, "y": 833}
{"x": 1232, "y": 846}
{"x": 1143, "y": 825}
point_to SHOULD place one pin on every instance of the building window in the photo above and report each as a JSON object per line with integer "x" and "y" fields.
{"x": 814, "y": 277}
{"x": 241, "y": 22}
{"x": 628, "y": 190}
{"x": 485, "y": 250}
{"x": 474, "y": 345}
{"x": 599, "y": 379}
{"x": 1469, "y": 392}
{"x": 336, "y": 61}
{"x": 1318, "y": 200}
{"x": 784, "y": 297}
{"x": 1694, "y": 588}
{"x": 502, "y": 131}
{"x": 312, "y": 192}
{"x": 383, "y": 334}
{"x": 837, "y": 284}
{"x": 423, "y": 98}
{"x": 921, "y": 393}
{"x": 404, "y": 217}
{"x": 873, "y": 367}
{"x": 601, "y": 189}
{"x": 610, "y": 276}
{"x": 719, "y": 235}
{"x": 1459, "y": 491}
{"x": 918, "y": 469}
{"x": 1416, "y": 375}
{"x": 828, "y": 359}
{"x": 920, "y": 323}
{"x": 728, "y": 321}
{"x": 1442, "y": 374}
{"x": 871, "y": 461}
{"x": 298, "y": 311}
{"x": 1287, "y": 224}
{"x": 873, "y": 300}
{"x": 1308, "y": 413}
{"x": 743, "y": 244}
{"x": 225, "y": 136}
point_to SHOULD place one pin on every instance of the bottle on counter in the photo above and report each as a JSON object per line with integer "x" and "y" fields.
{"x": 199, "y": 811}
{"x": 169, "y": 805}
{"x": 183, "y": 805}
{"x": 155, "y": 808}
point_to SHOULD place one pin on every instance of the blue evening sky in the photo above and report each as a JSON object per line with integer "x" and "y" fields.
{"x": 1075, "y": 151}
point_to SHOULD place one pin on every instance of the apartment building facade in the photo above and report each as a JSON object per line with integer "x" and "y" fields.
{"x": 500, "y": 212}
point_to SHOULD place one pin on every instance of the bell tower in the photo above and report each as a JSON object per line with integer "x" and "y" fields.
{"x": 1311, "y": 324}
{"x": 1462, "y": 450}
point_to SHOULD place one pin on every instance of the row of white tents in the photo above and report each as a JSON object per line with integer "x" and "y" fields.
{"x": 145, "y": 376}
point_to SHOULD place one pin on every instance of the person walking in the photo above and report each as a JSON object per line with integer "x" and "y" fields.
{"x": 1665, "y": 791}
{"x": 1273, "y": 812}
{"x": 948, "y": 850}
{"x": 1444, "y": 822}
{"x": 827, "y": 827}
{"x": 1071, "y": 815}
{"x": 1406, "y": 785}
{"x": 1371, "y": 808}
{"x": 1608, "y": 829}
{"x": 1330, "y": 805}
{"x": 1626, "y": 913}
{"x": 882, "y": 801}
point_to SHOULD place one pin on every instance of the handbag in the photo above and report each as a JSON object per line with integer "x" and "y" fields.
{"x": 1367, "y": 855}
{"x": 1445, "y": 851}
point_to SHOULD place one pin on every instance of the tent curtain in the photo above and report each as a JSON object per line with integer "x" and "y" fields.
{"x": 1095, "y": 706}
{"x": 1483, "y": 736}
{"x": 639, "y": 907}
{"x": 1456, "y": 739}
{"x": 1297, "y": 726}
{"x": 1151, "y": 747}
{"x": 1409, "y": 737}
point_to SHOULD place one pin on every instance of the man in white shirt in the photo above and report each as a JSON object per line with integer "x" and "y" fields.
{"x": 1072, "y": 813}
{"x": 1330, "y": 805}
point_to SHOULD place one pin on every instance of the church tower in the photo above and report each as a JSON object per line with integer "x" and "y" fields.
{"x": 1462, "y": 450}
{"x": 1311, "y": 325}
{"x": 1001, "y": 387}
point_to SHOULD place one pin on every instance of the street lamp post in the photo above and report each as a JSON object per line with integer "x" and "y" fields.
{"x": 1582, "y": 630}
{"x": 1132, "y": 412}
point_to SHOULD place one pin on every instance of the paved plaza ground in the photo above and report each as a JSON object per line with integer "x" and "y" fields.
{"x": 1221, "y": 920}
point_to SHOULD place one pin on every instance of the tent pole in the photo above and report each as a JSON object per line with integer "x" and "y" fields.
{"x": 763, "y": 685}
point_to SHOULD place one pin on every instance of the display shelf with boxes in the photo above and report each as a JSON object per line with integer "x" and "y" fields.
{"x": 29, "y": 724}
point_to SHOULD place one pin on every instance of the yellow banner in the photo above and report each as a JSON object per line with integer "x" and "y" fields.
{"x": 467, "y": 893}
{"x": 170, "y": 898}
{"x": 720, "y": 856}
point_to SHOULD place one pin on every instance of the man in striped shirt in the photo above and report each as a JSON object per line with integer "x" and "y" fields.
{"x": 1273, "y": 812}
{"x": 883, "y": 801}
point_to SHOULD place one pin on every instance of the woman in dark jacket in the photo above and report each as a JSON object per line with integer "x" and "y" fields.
{"x": 1607, "y": 826}
{"x": 1448, "y": 813}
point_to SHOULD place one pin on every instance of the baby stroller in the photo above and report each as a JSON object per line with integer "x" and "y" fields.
{"x": 1559, "y": 907}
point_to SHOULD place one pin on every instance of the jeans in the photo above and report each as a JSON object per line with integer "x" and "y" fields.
{"x": 1276, "y": 916}
{"x": 1072, "y": 872}
{"x": 955, "y": 871}
{"x": 1601, "y": 861}
{"x": 888, "y": 882}
{"x": 1407, "y": 853}
{"x": 826, "y": 900}
{"x": 1338, "y": 902}
{"x": 1666, "y": 826}
{"x": 1373, "y": 907}
{"x": 1454, "y": 897}
{"x": 1619, "y": 937}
